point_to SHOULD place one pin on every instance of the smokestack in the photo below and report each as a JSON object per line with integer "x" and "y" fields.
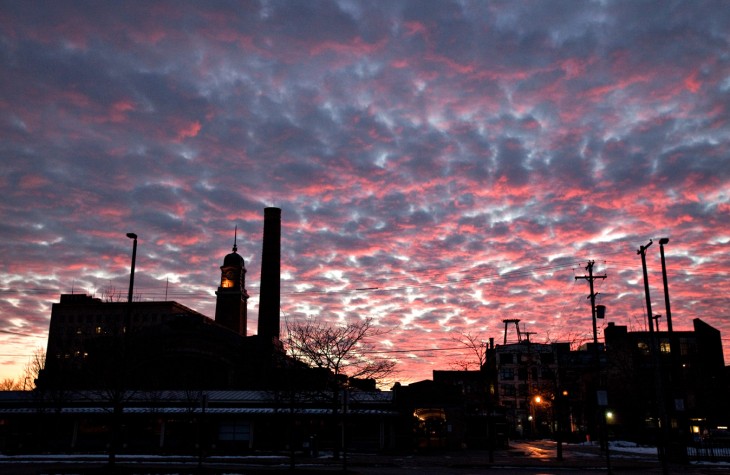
{"x": 270, "y": 276}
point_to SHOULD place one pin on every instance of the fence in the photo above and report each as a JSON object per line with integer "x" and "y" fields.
{"x": 709, "y": 450}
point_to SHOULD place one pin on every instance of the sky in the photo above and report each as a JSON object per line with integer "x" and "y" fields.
{"x": 440, "y": 165}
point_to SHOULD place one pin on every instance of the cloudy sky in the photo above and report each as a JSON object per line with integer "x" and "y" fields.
{"x": 440, "y": 166}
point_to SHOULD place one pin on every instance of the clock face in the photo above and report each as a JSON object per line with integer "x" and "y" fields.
{"x": 228, "y": 278}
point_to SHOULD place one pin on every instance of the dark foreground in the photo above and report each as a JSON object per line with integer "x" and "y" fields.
{"x": 530, "y": 458}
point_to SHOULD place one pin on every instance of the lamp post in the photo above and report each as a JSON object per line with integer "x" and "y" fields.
{"x": 134, "y": 258}
{"x": 121, "y": 342}
{"x": 128, "y": 315}
{"x": 662, "y": 242}
{"x": 642, "y": 252}
{"x": 654, "y": 350}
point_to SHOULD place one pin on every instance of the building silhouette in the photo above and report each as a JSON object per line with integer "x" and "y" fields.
{"x": 168, "y": 345}
{"x": 677, "y": 375}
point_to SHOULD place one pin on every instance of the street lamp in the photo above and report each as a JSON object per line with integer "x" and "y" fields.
{"x": 642, "y": 252}
{"x": 128, "y": 315}
{"x": 134, "y": 258}
{"x": 662, "y": 242}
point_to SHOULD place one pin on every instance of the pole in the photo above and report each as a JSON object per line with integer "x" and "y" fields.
{"x": 662, "y": 242}
{"x": 642, "y": 252}
{"x": 134, "y": 258}
{"x": 590, "y": 278}
{"x": 659, "y": 399}
{"x": 603, "y": 439}
{"x": 128, "y": 316}
{"x": 676, "y": 378}
{"x": 121, "y": 342}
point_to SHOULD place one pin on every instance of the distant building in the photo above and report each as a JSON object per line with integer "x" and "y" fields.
{"x": 682, "y": 378}
{"x": 527, "y": 381}
{"x": 166, "y": 345}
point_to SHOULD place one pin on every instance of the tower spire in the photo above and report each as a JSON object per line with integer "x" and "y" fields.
{"x": 231, "y": 301}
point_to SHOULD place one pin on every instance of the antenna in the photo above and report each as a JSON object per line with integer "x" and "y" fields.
{"x": 235, "y": 235}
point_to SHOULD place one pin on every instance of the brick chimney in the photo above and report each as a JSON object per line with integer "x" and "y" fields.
{"x": 269, "y": 319}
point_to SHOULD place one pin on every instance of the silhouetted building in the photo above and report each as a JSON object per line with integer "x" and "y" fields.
{"x": 479, "y": 422}
{"x": 195, "y": 422}
{"x": 231, "y": 303}
{"x": 681, "y": 373}
{"x": 527, "y": 378}
{"x": 168, "y": 345}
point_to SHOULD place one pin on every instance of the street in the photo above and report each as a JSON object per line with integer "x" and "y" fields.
{"x": 533, "y": 457}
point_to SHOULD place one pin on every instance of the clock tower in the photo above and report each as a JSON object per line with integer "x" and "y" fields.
{"x": 232, "y": 298}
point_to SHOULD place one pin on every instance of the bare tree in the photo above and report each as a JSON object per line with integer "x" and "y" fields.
{"x": 111, "y": 294}
{"x": 476, "y": 351}
{"x": 576, "y": 339}
{"x": 30, "y": 373}
{"x": 9, "y": 384}
{"x": 33, "y": 369}
{"x": 343, "y": 349}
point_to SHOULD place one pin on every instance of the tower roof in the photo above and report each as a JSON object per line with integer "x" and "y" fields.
{"x": 233, "y": 259}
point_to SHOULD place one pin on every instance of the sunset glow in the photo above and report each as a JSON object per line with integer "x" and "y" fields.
{"x": 440, "y": 166}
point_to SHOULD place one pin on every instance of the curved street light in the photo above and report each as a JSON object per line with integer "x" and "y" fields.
{"x": 134, "y": 258}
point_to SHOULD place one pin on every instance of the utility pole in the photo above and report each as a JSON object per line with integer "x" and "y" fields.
{"x": 590, "y": 278}
{"x": 600, "y": 394}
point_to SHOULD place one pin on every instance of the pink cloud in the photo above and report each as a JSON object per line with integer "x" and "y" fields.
{"x": 188, "y": 131}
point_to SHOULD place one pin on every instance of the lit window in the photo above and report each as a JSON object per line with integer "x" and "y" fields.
{"x": 226, "y": 283}
{"x": 98, "y": 330}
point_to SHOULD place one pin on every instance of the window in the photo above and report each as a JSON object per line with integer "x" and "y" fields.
{"x": 508, "y": 390}
{"x": 685, "y": 346}
{"x": 235, "y": 431}
{"x": 547, "y": 358}
{"x": 507, "y": 374}
{"x": 522, "y": 374}
{"x": 664, "y": 346}
{"x": 506, "y": 358}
